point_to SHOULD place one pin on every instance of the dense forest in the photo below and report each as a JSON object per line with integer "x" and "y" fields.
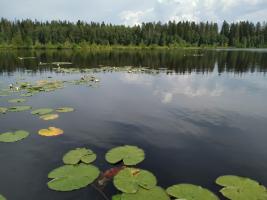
{"x": 63, "y": 34}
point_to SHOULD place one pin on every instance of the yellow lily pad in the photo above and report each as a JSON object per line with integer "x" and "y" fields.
{"x": 51, "y": 131}
{"x": 49, "y": 117}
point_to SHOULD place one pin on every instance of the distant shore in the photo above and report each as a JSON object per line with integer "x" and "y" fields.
{"x": 118, "y": 47}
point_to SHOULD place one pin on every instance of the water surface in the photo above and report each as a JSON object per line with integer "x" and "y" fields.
{"x": 203, "y": 116}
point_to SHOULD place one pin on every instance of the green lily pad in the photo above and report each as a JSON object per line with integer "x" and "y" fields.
{"x": 190, "y": 192}
{"x": 26, "y": 94}
{"x": 2, "y": 197}
{"x": 49, "y": 117}
{"x": 116, "y": 197}
{"x": 42, "y": 111}
{"x": 13, "y": 137}
{"x": 129, "y": 180}
{"x": 155, "y": 193}
{"x": 16, "y": 100}
{"x": 80, "y": 154}
{"x": 241, "y": 188}
{"x": 4, "y": 94}
{"x": 72, "y": 177}
{"x": 65, "y": 109}
{"x": 19, "y": 108}
{"x": 3, "y": 110}
{"x": 130, "y": 155}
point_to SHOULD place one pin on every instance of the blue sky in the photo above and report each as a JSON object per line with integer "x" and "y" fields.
{"x": 132, "y": 12}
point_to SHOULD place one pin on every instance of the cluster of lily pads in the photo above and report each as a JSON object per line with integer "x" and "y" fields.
{"x": 127, "y": 69}
{"x": 28, "y": 89}
{"x": 43, "y": 113}
{"x": 140, "y": 184}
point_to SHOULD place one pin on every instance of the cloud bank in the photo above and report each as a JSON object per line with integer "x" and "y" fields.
{"x": 131, "y": 12}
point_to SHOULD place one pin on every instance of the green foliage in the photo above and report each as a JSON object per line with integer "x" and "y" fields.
{"x": 49, "y": 117}
{"x": 3, "y": 110}
{"x": 13, "y": 136}
{"x": 65, "y": 109}
{"x": 129, "y": 180}
{"x": 42, "y": 111}
{"x": 2, "y": 197}
{"x": 116, "y": 197}
{"x": 190, "y": 192}
{"x": 241, "y": 188}
{"x": 17, "y": 100}
{"x": 19, "y": 108}
{"x": 129, "y": 155}
{"x": 72, "y": 177}
{"x": 28, "y": 94}
{"x": 79, "y": 155}
{"x": 155, "y": 193}
{"x": 63, "y": 34}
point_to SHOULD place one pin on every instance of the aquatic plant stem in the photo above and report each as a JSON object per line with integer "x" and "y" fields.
{"x": 101, "y": 192}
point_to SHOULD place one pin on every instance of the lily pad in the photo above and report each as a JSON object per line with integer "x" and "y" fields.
{"x": 129, "y": 180}
{"x": 65, "y": 109}
{"x": 130, "y": 155}
{"x": 26, "y": 94}
{"x": 4, "y": 94}
{"x": 156, "y": 193}
{"x": 42, "y": 111}
{"x": 116, "y": 197}
{"x": 19, "y": 108}
{"x": 3, "y": 110}
{"x": 17, "y": 100}
{"x": 72, "y": 177}
{"x": 190, "y": 192}
{"x": 49, "y": 116}
{"x": 13, "y": 136}
{"x": 2, "y": 197}
{"x": 51, "y": 131}
{"x": 241, "y": 188}
{"x": 79, "y": 154}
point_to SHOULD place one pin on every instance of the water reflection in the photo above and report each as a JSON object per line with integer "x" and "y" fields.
{"x": 180, "y": 61}
{"x": 204, "y": 119}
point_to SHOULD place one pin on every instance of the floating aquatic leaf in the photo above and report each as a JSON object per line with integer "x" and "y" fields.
{"x": 130, "y": 155}
{"x": 3, "y": 110}
{"x": 13, "y": 136}
{"x": 4, "y": 94}
{"x": 241, "y": 188}
{"x": 65, "y": 109}
{"x": 116, "y": 197}
{"x": 2, "y": 197}
{"x": 19, "y": 108}
{"x": 51, "y": 131}
{"x": 42, "y": 111}
{"x": 155, "y": 193}
{"x": 16, "y": 100}
{"x": 129, "y": 180}
{"x": 49, "y": 116}
{"x": 80, "y": 154}
{"x": 61, "y": 63}
{"x": 190, "y": 192}
{"x": 26, "y": 94}
{"x": 72, "y": 177}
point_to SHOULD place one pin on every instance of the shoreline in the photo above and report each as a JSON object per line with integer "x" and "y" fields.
{"x": 121, "y": 47}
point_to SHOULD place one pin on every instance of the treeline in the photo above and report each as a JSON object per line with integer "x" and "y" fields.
{"x": 63, "y": 34}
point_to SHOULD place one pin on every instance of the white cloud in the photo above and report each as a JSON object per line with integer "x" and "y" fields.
{"x": 136, "y": 11}
{"x": 134, "y": 17}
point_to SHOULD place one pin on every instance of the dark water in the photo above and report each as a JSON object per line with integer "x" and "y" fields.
{"x": 205, "y": 117}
